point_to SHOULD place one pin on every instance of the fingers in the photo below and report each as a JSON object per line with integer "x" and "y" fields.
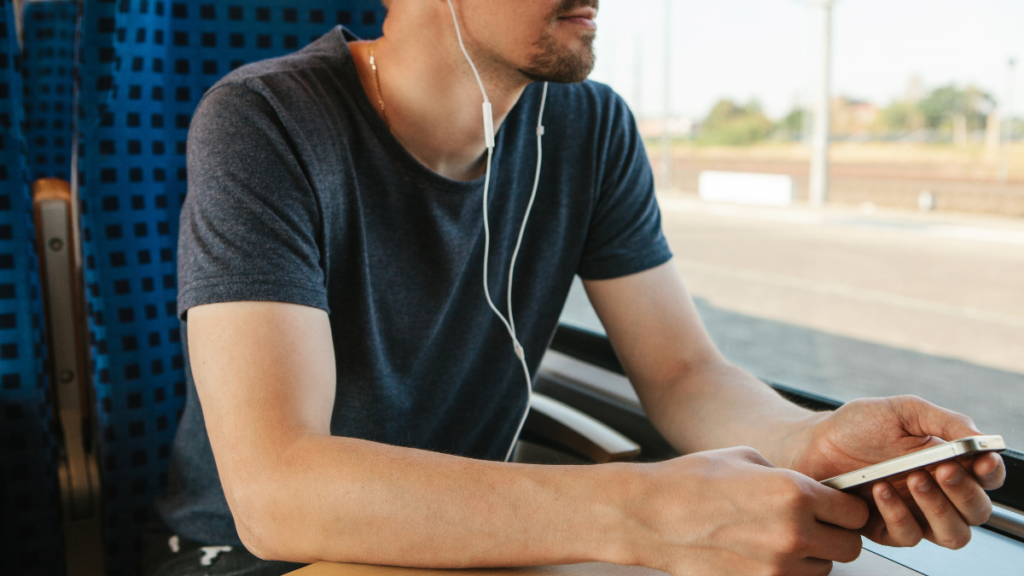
{"x": 990, "y": 471}
{"x": 839, "y": 509}
{"x": 901, "y": 527}
{"x": 948, "y": 505}
{"x": 948, "y": 527}
{"x": 922, "y": 418}
{"x": 964, "y": 492}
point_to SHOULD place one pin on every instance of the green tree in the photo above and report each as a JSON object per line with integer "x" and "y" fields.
{"x": 900, "y": 117}
{"x": 945, "y": 103}
{"x": 792, "y": 123}
{"x": 729, "y": 124}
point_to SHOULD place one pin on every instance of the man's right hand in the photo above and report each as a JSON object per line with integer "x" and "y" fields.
{"x": 731, "y": 512}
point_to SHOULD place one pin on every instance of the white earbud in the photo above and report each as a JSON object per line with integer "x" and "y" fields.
{"x": 510, "y": 324}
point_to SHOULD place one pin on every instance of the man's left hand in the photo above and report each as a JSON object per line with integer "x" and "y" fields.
{"x": 940, "y": 506}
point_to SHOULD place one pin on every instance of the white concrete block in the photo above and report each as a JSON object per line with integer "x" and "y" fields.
{"x": 746, "y": 188}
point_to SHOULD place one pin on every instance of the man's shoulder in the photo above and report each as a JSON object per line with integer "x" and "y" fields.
{"x": 321, "y": 58}
{"x": 588, "y": 101}
{"x": 585, "y": 109}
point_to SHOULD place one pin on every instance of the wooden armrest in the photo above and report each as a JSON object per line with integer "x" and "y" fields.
{"x": 51, "y": 199}
{"x": 566, "y": 427}
{"x": 77, "y": 469}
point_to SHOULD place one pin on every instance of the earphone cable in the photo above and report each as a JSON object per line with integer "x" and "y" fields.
{"x": 511, "y": 269}
{"x": 517, "y": 347}
{"x": 489, "y": 141}
{"x": 529, "y": 207}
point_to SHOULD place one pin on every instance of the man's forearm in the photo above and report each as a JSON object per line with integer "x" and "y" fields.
{"x": 342, "y": 499}
{"x": 696, "y": 399}
{"x": 717, "y": 405}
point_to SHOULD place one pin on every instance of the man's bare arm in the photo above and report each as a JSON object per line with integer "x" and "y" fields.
{"x": 266, "y": 379}
{"x": 695, "y": 398}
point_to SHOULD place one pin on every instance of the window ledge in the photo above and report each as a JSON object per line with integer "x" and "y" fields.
{"x": 988, "y": 553}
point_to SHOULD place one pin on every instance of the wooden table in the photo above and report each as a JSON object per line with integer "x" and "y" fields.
{"x": 869, "y": 564}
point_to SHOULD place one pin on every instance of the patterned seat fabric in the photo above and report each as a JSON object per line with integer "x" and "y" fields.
{"x": 47, "y": 66}
{"x": 145, "y": 64}
{"x": 30, "y": 541}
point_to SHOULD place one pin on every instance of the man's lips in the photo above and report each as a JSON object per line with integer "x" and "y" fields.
{"x": 581, "y": 17}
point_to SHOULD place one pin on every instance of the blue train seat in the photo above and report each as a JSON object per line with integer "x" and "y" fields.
{"x": 30, "y": 541}
{"x": 48, "y": 58}
{"x": 144, "y": 66}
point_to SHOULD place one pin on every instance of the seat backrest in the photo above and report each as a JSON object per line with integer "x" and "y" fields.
{"x": 144, "y": 66}
{"x": 30, "y": 540}
{"x": 48, "y": 58}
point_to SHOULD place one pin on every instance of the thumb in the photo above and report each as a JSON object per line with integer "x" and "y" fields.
{"x": 922, "y": 418}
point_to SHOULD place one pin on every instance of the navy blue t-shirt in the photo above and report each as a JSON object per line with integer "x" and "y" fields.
{"x": 299, "y": 193}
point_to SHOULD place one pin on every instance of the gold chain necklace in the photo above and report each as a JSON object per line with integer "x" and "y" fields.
{"x": 380, "y": 95}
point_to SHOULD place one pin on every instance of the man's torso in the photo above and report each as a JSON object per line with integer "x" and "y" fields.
{"x": 299, "y": 193}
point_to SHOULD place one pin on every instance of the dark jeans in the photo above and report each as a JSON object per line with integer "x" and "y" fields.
{"x": 159, "y": 558}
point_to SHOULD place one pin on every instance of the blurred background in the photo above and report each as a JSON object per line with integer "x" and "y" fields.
{"x": 842, "y": 184}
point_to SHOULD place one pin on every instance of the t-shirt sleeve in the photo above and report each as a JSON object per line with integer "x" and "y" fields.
{"x": 625, "y": 235}
{"x": 250, "y": 221}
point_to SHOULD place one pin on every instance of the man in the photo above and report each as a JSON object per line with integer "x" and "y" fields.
{"x": 350, "y": 391}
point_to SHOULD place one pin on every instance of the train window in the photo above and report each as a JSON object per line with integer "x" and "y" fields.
{"x": 843, "y": 192}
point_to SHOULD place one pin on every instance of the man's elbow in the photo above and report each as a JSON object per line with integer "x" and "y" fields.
{"x": 251, "y": 520}
{"x": 264, "y": 522}
{"x": 256, "y": 546}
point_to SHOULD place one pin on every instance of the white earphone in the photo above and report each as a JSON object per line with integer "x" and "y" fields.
{"x": 509, "y": 323}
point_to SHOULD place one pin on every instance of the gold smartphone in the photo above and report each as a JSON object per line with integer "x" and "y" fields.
{"x": 897, "y": 469}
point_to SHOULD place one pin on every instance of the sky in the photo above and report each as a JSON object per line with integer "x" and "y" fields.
{"x": 765, "y": 49}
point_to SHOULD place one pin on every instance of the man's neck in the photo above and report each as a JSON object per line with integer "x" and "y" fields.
{"x": 431, "y": 98}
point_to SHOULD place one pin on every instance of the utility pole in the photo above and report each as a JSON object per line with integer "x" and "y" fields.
{"x": 1007, "y": 131}
{"x": 818, "y": 190}
{"x": 666, "y": 137}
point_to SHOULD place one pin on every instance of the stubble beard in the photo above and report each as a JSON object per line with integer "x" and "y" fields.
{"x": 552, "y": 63}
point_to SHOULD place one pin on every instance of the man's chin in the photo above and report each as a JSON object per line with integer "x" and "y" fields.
{"x": 561, "y": 69}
